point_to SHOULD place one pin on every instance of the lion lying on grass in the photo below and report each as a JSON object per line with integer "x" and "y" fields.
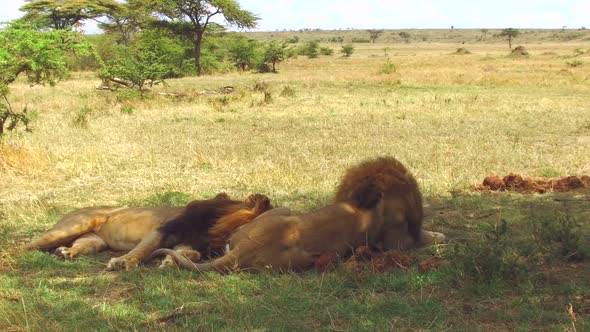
{"x": 377, "y": 203}
{"x": 140, "y": 230}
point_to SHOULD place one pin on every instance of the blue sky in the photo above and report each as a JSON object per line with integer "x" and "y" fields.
{"x": 400, "y": 14}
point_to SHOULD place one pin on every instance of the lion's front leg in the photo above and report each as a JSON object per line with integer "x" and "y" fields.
{"x": 136, "y": 255}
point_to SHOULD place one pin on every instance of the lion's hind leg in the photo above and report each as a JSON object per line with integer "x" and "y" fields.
{"x": 86, "y": 244}
{"x": 70, "y": 227}
{"x": 293, "y": 259}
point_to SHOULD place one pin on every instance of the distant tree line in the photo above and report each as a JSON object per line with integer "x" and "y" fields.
{"x": 144, "y": 42}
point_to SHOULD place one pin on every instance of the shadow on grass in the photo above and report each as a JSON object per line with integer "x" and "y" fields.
{"x": 42, "y": 292}
{"x": 178, "y": 299}
{"x": 513, "y": 260}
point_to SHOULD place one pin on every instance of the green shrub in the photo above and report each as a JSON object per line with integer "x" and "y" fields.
{"x": 326, "y": 51}
{"x": 262, "y": 67}
{"x": 311, "y": 49}
{"x": 292, "y": 52}
{"x": 388, "y": 67}
{"x": 347, "y": 50}
{"x": 148, "y": 60}
{"x": 338, "y": 39}
{"x": 39, "y": 55}
{"x": 574, "y": 63}
{"x": 243, "y": 53}
{"x": 127, "y": 95}
{"x": 361, "y": 40}
{"x": 274, "y": 53}
{"x": 492, "y": 258}
{"x": 561, "y": 236}
{"x": 137, "y": 67}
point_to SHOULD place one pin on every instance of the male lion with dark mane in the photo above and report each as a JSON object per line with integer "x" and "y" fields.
{"x": 141, "y": 230}
{"x": 377, "y": 203}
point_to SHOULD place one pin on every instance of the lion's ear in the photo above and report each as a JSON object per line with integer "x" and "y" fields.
{"x": 367, "y": 196}
{"x": 222, "y": 196}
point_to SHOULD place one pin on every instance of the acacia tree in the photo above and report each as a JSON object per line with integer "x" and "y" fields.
{"x": 126, "y": 21}
{"x": 242, "y": 52}
{"x": 374, "y": 34}
{"x": 274, "y": 53}
{"x": 65, "y": 14}
{"x": 198, "y": 13}
{"x": 510, "y": 33}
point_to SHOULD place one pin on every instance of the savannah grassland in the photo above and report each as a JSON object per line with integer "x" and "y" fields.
{"x": 452, "y": 119}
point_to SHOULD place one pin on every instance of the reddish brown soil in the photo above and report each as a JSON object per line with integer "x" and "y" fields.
{"x": 522, "y": 184}
{"x": 365, "y": 259}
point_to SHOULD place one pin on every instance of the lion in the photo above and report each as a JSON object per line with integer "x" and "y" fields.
{"x": 140, "y": 230}
{"x": 377, "y": 204}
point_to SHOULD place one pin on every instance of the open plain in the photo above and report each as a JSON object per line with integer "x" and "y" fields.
{"x": 512, "y": 262}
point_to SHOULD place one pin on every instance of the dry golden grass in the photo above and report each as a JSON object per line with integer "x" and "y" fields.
{"x": 452, "y": 118}
{"x": 425, "y": 36}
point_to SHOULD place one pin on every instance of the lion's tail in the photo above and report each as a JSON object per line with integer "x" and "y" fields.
{"x": 366, "y": 183}
{"x": 222, "y": 264}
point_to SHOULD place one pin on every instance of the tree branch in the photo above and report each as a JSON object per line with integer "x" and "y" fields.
{"x": 211, "y": 15}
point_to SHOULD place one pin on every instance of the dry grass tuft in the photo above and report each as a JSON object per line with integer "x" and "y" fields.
{"x": 18, "y": 160}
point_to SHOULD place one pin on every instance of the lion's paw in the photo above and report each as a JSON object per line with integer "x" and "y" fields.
{"x": 122, "y": 263}
{"x": 65, "y": 252}
{"x": 432, "y": 238}
{"x": 439, "y": 238}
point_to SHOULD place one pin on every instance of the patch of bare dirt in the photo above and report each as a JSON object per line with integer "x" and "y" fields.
{"x": 364, "y": 258}
{"x": 526, "y": 185}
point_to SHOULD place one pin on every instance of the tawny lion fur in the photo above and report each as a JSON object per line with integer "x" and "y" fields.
{"x": 377, "y": 204}
{"x": 139, "y": 230}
